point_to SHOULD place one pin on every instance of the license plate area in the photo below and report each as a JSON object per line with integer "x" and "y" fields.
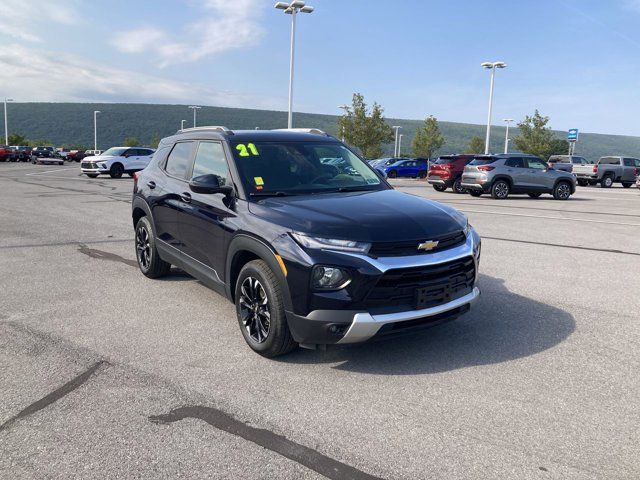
{"x": 423, "y": 296}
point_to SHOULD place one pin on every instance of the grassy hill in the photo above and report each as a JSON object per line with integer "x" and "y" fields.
{"x": 72, "y": 123}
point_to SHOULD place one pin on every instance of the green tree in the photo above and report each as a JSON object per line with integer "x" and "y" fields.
{"x": 17, "y": 139}
{"x": 559, "y": 146}
{"x": 428, "y": 138}
{"x": 476, "y": 145}
{"x": 39, "y": 143}
{"x": 365, "y": 129}
{"x": 535, "y": 137}
{"x": 131, "y": 142}
{"x": 155, "y": 140}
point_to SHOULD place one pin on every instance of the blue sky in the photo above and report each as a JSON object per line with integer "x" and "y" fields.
{"x": 575, "y": 60}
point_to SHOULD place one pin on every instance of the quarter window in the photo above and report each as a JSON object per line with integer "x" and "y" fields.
{"x": 179, "y": 159}
{"x": 210, "y": 160}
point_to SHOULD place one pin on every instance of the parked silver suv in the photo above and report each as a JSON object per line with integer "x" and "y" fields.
{"x": 502, "y": 175}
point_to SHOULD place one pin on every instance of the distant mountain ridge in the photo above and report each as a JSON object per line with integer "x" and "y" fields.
{"x": 72, "y": 123}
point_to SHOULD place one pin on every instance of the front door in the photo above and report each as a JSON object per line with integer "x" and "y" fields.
{"x": 537, "y": 176}
{"x": 205, "y": 222}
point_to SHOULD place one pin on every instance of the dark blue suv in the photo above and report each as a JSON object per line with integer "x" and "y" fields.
{"x": 406, "y": 167}
{"x": 311, "y": 244}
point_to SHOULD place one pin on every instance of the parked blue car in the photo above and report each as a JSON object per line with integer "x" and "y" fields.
{"x": 408, "y": 167}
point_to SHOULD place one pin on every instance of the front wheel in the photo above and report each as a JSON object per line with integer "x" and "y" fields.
{"x": 500, "y": 190}
{"x": 260, "y": 310}
{"x": 457, "y": 186}
{"x": 116, "y": 170}
{"x": 439, "y": 188}
{"x": 392, "y": 174}
{"x": 150, "y": 263}
{"x": 562, "y": 191}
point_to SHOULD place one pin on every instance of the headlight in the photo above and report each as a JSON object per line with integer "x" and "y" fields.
{"x": 329, "y": 278}
{"x": 331, "y": 244}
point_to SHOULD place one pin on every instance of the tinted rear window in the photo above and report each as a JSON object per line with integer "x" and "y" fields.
{"x": 444, "y": 160}
{"x": 609, "y": 161}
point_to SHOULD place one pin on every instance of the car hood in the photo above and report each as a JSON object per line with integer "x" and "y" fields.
{"x": 381, "y": 216}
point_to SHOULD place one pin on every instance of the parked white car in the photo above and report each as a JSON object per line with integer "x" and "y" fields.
{"x": 116, "y": 161}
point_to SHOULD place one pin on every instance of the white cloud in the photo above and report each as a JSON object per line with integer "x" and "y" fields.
{"x": 28, "y": 74}
{"x": 22, "y": 18}
{"x": 222, "y": 25}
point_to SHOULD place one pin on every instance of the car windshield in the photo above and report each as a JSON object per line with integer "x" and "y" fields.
{"x": 115, "y": 152}
{"x": 291, "y": 168}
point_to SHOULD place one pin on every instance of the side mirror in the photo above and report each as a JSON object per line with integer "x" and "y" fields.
{"x": 209, "y": 184}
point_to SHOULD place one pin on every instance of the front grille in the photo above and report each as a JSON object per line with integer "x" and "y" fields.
{"x": 88, "y": 165}
{"x": 421, "y": 287}
{"x": 410, "y": 247}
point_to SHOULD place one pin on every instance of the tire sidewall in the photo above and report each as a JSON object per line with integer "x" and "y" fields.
{"x": 116, "y": 170}
{"x": 257, "y": 270}
{"x": 457, "y": 186}
{"x": 494, "y": 189}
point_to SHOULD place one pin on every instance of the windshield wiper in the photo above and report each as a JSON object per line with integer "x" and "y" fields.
{"x": 271, "y": 194}
{"x": 358, "y": 188}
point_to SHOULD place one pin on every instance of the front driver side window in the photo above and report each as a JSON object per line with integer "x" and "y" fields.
{"x": 537, "y": 164}
{"x": 210, "y": 159}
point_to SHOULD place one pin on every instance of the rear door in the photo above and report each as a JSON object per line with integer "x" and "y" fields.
{"x": 204, "y": 222}
{"x": 629, "y": 170}
{"x": 168, "y": 200}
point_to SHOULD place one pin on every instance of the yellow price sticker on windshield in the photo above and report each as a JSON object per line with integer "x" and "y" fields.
{"x": 247, "y": 150}
{"x": 258, "y": 180}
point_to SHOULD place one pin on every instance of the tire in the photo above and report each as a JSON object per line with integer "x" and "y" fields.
{"x": 263, "y": 325}
{"x": 606, "y": 182}
{"x": 457, "y": 186}
{"x": 500, "y": 190}
{"x": 626, "y": 184}
{"x": 474, "y": 193}
{"x": 392, "y": 174}
{"x": 583, "y": 183}
{"x": 116, "y": 170}
{"x": 422, "y": 174}
{"x": 92, "y": 175}
{"x": 149, "y": 261}
{"x": 535, "y": 195}
{"x": 562, "y": 191}
{"x": 439, "y": 188}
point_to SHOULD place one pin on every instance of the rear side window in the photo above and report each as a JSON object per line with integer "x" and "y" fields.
{"x": 210, "y": 160}
{"x": 514, "y": 162}
{"x": 629, "y": 162}
{"x": 609, "y": 161}
{"x": 179, "y": 159}
{"x": 482, "y": 161}
{"x": 579, "y": 160}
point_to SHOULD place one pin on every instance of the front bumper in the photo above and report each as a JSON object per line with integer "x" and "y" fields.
{"x": 343, "y": 326}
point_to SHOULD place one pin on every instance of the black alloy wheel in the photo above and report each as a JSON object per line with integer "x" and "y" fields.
{"x": 254, "y": 310}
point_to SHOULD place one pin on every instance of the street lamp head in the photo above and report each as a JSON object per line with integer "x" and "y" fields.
{"x": 500, "y": 65}
{"x": 307, "y": 9}
{"x": 281, "y": 5}
{"x": 486, "y": 65}
{"x": 507, "y": 120}
{"x": 297, "y": 4}
{"x": 96, "y": 111}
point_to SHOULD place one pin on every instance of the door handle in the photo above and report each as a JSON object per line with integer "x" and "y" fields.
{"x": 151, "y": 185}
{"x": 186, "y": 197}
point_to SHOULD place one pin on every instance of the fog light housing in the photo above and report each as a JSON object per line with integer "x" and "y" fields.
{"x": 329, "y": 278}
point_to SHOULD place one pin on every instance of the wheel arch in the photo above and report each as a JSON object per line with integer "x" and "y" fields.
{"x": 245, "y": 248}
{"x": 506, "y": 178}
{"x": 565, "y": 180}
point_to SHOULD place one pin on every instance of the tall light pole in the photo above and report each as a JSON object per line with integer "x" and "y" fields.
{"x": 395, "y": 144}
{"x": 400, "y": 144}
{"x": 182, "y": 124}
{"x": 95, "y": 129}
{"x": 490, "y": 66}
{"x": 293, "y": 8}
{"x": 344, "y": 107}
{"x": 194, "y": 108}
{"x": 506, "y": 135}
{"x": 6, "y": 125}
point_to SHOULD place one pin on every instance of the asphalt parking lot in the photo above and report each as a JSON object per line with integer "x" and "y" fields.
{"x": 105, "y": 373}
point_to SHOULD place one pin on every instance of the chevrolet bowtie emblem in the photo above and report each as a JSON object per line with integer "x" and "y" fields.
{"x": 428, "y": 245}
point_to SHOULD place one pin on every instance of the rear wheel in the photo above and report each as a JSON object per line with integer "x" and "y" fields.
{"x": 607, "y": 182}
{"x": 475, "y": 193}
{"x": 626, "y": 184}
{"x": 260, "y": 310}
{"x": 535, "y": 195}
{"x": 392, "y": 174}
{"x": 116, "y": 170}
{"x": 150, "y": 263}
{"x": 457, "y": 186}
{"x": 439, "y": 188}
{"x": 562, "y": 191}
{"x": 500, "y": 190}
{"x": 422, "y": 174}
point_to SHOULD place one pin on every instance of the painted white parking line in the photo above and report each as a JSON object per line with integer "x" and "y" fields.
{"x": 51, "y": 171}
{"x": 548, "y": 217}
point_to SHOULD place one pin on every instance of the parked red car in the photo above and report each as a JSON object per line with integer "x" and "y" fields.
{"x": 76, "y": 155}
{"x": 6, "y": 153}
{"x": 446, "y": 172}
